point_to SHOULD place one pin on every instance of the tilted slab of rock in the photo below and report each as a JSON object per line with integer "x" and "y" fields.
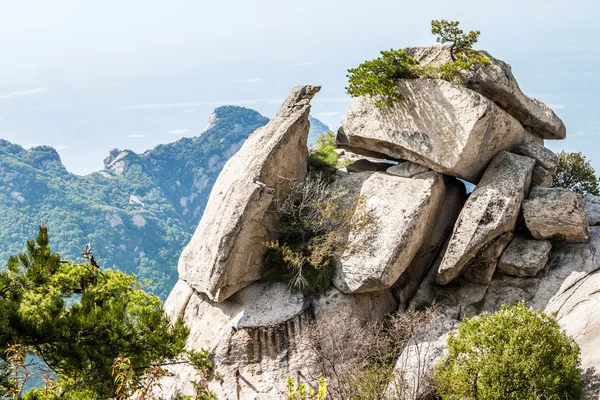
{"x": 569, "y": 287}
{"x": 264, "y": 334}
{"x": 543, "y": 156}
{"x": 439, "y": 232}
{"x": 407, "y": 169}
{"x": 525, "y": 257}
{"x": 556, "y": 213}
{"x": 481, "y": 269}
{"x": 592, "y": 209}
{"x": 226, "y": 252}
{"x": 497, "y": 82}
{"x": 448, "y": 128}
{"x": 491, "y": 210}
{"x": 401, "y": 211}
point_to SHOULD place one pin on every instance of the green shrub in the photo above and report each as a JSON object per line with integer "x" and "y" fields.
{"x": 575, "y": 173}
{"x": 300, "y": 391}
{"x": 314, "y": 224}
{"x": 323, "y": 159}
{"x": 378, "y": 78}
{"x": 516, "y": 354}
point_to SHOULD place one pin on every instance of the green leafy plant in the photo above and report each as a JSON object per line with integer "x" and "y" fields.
{"x": 314, "y": 224}
{"x": 78, "y": 320}
{"x": 300, "y": 391}
{"x": 378, "y": 78}
{"x": 576, "y": 173}
{"x": 514, "y": 354}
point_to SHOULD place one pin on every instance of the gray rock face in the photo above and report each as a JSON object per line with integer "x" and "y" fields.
{"x": 496, "y": 82}
{"x": 226, "y": 251}
{"x": 362, "y": 165}
{"x": 448, "y": 128}
{"x": 543, "y": 156}
{"x": 260, "y": 336}
{"x": 525, "y": 257}
{"x": 401, "y": 211}
{"x": 491, "y": 210}
{"x": 481, "y": 269}
{"x": 407, "y": 169}
{"x": 556, "y": 212}
{"x": 541, "y": 177}
{"x": 440, "y": 230}
{"x": 592, "y": 209}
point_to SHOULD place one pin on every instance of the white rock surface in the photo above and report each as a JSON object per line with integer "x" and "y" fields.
{"x": 225, "y": 254}
{"x": 445, "y": 127}
{"x": 401, "y": 210}
{"x": 497, "y": 82}
{"x": 525, "y": 257}
{"x": 556, "y": 212}
{"x": 260, "y": 336}
{"x": 491, "y": 210}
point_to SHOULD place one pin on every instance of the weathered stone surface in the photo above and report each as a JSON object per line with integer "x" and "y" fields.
{"x": 525, "y": 257}
{"x": 541, "y": 154}
{"x": 541, "y": 177}
{"x": 569, "y": 286}
{"x": 226, "y": 251}
{"x": 448, "y": 128}
{"x": 361, "y": 165}
{"x": 401, "y": 211}
{"x": 407, "y": 169}
{"x": 497, "y": 82}
{"x": 481, "y": 269}
{"x": 491, "y": 210}
{"x": 592, "y": 209}
{"x": 556, "y": 212}
{"x": 441, "y": 228}
{"x": 260, "y": 336}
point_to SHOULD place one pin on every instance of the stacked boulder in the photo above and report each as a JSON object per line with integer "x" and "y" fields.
{"x": 429, "y": 242}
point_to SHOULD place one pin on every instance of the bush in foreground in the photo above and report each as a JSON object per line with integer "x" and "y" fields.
{"x": 516, "y": 354}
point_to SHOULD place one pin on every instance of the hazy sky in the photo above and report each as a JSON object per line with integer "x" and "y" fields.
{"x": 88, "y": 76}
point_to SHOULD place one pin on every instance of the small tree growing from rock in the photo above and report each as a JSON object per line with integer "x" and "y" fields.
{"x": 516, "y": 353}
{"x": 575, "y": 173}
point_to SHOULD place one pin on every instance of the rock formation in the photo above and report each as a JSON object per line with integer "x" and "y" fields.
{"x": 426, "y": 242}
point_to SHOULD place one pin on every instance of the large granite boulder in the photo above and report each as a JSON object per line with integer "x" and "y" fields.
{"x": 401, "y": 211}
{"x": 556, "y": 213}
{"x": 545, "y": 162}
{"x": 226, "y": 252}
{"x": 491, "y": 210}
{"x": 497, "y": 82}
{"x": 407, "y": 169}
{"x": 448, "y": 128}
{"x": 525, "y": 257}
{"x": 438, "y": 233}
{"x": 568, "y": 287}
{"x": 481, "y": 269}
{"x": 592, "y": 209}
{"x": 262, "y": 335}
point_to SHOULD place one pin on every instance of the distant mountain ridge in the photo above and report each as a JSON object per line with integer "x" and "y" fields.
{"x": 139, "y": 212}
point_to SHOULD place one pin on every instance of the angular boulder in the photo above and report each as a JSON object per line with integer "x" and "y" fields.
{"x": 448, "y": 128}
{"x": 361, "y": 166}
{"x": 262, "y": 335}
{"x": 491, "y": 210}
{"x": 481, "y": 269}
{"x": 543, "y": 156}
{"x": 556, "y": 213}
{"x": 401, "y": 210}
{"x": 592, "y": 209}
{"x": 525, "y": 257}
{"x": 439, "y": 232}
{"x": 497, "y": 82}
{"x": 226, "y": 252}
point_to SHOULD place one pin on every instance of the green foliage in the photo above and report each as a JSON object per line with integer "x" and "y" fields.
{"x": 323, "y": 158}
{"x": 300, "y": 391}
{"x": 378, "y": 78}
{"x": 516, "y": 353}
{"x": 575, "y": 173}
{"x": 314, "y": 226}
{"x": 79, "y": 319}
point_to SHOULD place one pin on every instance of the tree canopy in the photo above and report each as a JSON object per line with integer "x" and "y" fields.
{"x": 78, "y": 320}
{"x": 576, "y": 173}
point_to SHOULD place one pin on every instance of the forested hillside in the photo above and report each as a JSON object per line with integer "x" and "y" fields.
{"x": 138, "y": 212}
